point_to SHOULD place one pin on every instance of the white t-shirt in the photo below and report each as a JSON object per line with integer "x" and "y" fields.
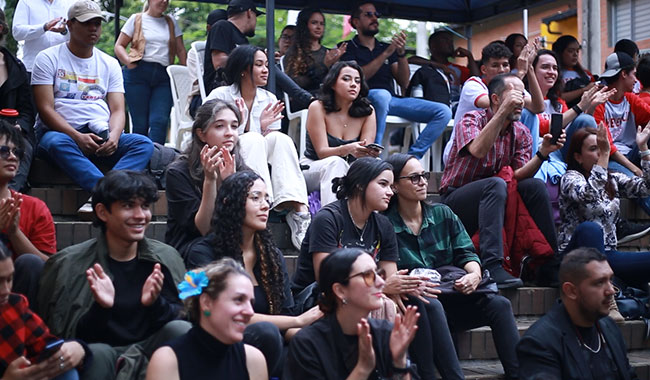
{"x": 80, "y": 85}
{"x": 622, "y": 125}
{"x": 262, "y": 99}
{"x": 472, "y": 91}
{"x": 156, "y": 35}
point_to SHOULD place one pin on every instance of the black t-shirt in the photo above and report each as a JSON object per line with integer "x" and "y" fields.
{"x": 601, "y": 363}
{"x": 203, "y": 253}
{"x": 128, "y": 321}
{"x": 383, "y": 78}
{"x": 183, "y": 201}
{"x": 223, "y": 36}
{"x": 335, "y": 229}
{"x": 322, "y": 352}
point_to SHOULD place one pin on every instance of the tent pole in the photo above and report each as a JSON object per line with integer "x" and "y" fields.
{"x": 525, "y": 22}
{"x": 270, "y": 42}
{"x": 116, "y": 19}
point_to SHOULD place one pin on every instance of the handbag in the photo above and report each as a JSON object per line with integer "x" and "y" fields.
{"x": 450, "y": 273}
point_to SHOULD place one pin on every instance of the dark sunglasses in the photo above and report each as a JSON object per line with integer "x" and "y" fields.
{"x": 370, "y": 14}
{"x": 415, "y": 178}
{"x": 5, "y": 150}
{"x": 369, "y": 276}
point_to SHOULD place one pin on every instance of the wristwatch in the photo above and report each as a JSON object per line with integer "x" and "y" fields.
{"x": 406, "y": 369}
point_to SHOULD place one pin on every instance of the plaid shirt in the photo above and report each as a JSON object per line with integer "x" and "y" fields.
{"x": 463, "y": 168}
{"x": 442, "y": 240}
{"x": 22, "y": 332}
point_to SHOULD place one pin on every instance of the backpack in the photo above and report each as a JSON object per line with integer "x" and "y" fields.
{"x": 161, "y": 157}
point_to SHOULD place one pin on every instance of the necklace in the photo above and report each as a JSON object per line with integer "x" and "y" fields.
{"x": 582, "y": 342}
{"x": 363, "y": 230}
{"x": 345, "y": 125}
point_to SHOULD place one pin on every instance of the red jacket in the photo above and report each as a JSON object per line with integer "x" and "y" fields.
{"x": 521, "y": 237}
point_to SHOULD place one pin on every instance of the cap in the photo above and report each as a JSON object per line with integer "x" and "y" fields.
{"x": 84, "y": 10}
{"x": 615, "y": 63}
{"x": 238, "y": 6}
{"x": 216, "y": 15}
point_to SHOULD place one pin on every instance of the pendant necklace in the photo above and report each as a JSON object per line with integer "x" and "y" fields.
{"x": 582, "y": 342}
{"x": 356, "y": 228}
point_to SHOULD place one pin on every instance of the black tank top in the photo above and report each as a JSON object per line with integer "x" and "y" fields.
{"x": 332, "y": 142}
{"x": 201, "y": 356}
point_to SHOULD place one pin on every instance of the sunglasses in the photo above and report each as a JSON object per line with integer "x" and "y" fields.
{"x": 370, "y": 14}
{"x": 5, "y": 150}
{"x": 416, "y": 178}
{"x": 369, "y": 276}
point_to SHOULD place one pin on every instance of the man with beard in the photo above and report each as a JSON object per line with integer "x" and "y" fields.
{"x": 382, "y": 64}
{"x": 576, "y": 339}
{"x": 485, "y": 142}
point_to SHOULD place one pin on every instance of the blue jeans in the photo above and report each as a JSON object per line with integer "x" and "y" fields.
{"x": 69, "y": 375}
{"x": 634, "y": 158}
{"x": 149, "y": 97}
{"x": 531, "y": 121}
{"x": 631, "y": 267}
{"x": 435, "y": 115}
{"x": 133, "y": 153}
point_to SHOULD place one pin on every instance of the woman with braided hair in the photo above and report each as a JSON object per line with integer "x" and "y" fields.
{"x": 238, "y": 230}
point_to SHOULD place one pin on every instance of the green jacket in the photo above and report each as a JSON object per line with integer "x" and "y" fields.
{"x": 64, "y": 294}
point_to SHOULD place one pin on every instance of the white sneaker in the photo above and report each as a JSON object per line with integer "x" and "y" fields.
{"x": 298, "y": 224}
{"x": 86, "y": 209}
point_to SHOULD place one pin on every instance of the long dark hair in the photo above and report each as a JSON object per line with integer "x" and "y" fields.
{"x": 510, "y": 43}
{"x": 298, "y": 55}
{"x": 554, "y": 92}
{"x": 335, "y": 268}
{"x": 398, "y": 161}
{"x": 226, "y": 235}
{"x": 575, "y": 146}
{"x": 240, "y": 60}
{"x": 360, "y": 174}
{"x": 204, "y": 117}
{"x": 360, "y": 106}
{"x": 559, "y": 46}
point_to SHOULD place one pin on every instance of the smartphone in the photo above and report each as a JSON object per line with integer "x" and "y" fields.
{"x": 556, "y": 127}
{"x": 376, "y": 147}
{"x": 49, "y": 350}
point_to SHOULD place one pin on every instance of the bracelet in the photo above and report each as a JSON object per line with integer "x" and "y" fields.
{"x": 542, "y": 157}
{"x": 64, "y": 32}
{"x": 644, "y": 153}
{"x": 406, "y": 369}
{"x": 45, "y": 27}
{"x": 401, "y": 55}
{"x": 577, "y": 109}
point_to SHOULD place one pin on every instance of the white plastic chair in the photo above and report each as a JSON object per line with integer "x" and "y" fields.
{"x": 294, "y": 118}
{"x": 181, "y": 85}
{"x": 199, "y": 46}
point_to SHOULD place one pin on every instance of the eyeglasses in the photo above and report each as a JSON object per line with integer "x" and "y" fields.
{"x": 370, "y": 14}
{"x": 369, "y": 276}
{"x": 285, "y": 37}
{"x": 415, "y": 178}
{"x": 5, "y": 150}
{"x": 254, "y": 196}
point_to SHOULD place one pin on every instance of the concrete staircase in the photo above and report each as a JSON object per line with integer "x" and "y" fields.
{"x": 475, "y": 347}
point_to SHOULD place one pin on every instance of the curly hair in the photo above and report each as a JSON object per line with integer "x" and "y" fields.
{"x": 298, "y": 54}
{"x": 204, "y": 117}
{"x": 217, "y": 273}
{"x": 360, "y": 106}
{"x": 226, "y": 235}
{"x": 554, "y": 92}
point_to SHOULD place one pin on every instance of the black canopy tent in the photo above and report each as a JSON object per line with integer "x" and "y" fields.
{"x": 449, "y": 11}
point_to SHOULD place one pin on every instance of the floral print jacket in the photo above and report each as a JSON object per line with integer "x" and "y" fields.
{"x": 585, "y": 200}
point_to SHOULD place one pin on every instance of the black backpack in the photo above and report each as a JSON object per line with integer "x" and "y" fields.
{"x": 161, "y": 157}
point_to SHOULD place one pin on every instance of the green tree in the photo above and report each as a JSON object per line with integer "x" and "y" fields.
{"x": 10, "y": 9}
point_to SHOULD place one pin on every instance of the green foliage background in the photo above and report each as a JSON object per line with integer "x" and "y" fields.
{"x": 191, "y": 18}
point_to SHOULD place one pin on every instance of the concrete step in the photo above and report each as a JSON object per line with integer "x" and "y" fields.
{"x": 493, "y": 370}
{"x": 479, "y": 344}
{"x": 65, "y": 201}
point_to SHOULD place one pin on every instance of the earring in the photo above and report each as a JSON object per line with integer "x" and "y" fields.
{"x": 207, "y": 313}
{"x": 242, "y": 74}
{"x": 344, "y": 301}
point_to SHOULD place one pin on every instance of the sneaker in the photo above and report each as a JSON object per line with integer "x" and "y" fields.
{"x": 614, "y": 313}
{"x": 504, "y": 279}
{"x": 627, "y": 231}
{"x": 86, "y": 210}
{"x": 298, "y": 224}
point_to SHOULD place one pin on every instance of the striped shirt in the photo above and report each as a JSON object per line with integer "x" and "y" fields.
{"x": 511, "y": 148}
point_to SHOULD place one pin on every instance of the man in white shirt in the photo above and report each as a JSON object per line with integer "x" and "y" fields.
{"x": 79, "y": 93}
{"x": 41, "y": 24}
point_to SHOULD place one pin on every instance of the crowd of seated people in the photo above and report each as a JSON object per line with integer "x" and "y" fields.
{"x": 217, "y": 297}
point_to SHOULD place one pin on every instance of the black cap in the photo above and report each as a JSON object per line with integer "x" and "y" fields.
{"x": 239, "y": 6}
{"x": 216, "y": 15}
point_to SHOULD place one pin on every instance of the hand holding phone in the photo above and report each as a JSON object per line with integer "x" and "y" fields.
{"x": 49, "y": 350}
{"x": 376, "y": 147}
{"x": 556, "y": 127}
